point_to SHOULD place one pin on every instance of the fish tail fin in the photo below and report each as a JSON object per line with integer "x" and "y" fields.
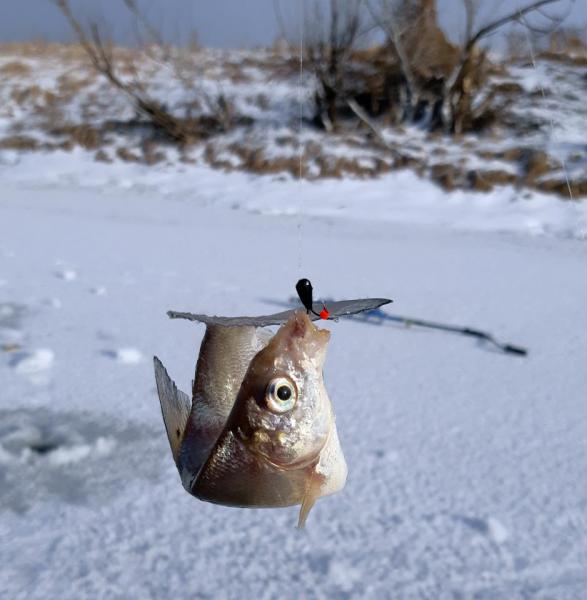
{"x": 175, "y": 407}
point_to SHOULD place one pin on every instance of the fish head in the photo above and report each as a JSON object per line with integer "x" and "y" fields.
{"x": 283, "y": 413}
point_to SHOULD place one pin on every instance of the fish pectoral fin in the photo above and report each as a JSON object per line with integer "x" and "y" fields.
{"x": 312, "y": 494}
{"x": 175, "y": 406}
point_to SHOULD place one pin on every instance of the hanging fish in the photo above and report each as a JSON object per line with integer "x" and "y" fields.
{"x": 260, "y": 430}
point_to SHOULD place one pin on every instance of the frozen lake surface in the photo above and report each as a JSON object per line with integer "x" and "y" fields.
{"x": 467, "y": 467}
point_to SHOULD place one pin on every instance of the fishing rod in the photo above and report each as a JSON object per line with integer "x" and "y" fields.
{"x": 375, "y": 316}
{"x": 378, "y": 316}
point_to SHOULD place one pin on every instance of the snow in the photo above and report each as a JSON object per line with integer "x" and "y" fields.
{"x": 99, "y": 290}
{"x": 266, "y": 94}
{"x": 466, "y": 466}
{"x": 33, "y": 362}
{"x": 125, "y": 356}
{"x": 66, "y": 274}
{"x": 497, "y": 531}
{"x": 398, "y": 197}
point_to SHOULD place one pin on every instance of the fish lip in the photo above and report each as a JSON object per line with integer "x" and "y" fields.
{"x": 300, "y": 336}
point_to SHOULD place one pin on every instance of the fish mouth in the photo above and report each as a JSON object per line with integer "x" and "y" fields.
{"x": 301, "y": 337}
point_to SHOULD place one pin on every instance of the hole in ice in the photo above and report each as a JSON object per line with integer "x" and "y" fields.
{"x": 44, "y": 448}
{"x": 11, "y": 314}
{"x": 71, "y": 457}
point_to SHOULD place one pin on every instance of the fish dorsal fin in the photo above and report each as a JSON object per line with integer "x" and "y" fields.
{"x": 341, "y": 308}
{"x": 175, "y": 406}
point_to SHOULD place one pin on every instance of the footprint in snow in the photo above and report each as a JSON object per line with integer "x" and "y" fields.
{"x": 492, "y": 528}
{"x": 125, "y": 356}
{"x": 31, "y": 362}
{"x": 66, "y": 274}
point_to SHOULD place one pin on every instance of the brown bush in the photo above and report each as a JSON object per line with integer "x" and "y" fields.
{"x": 510, "y": 88}
{"x": 339, "y": 166}
{"x": 511, "y": 154}
{"x": 285, "y": 140}
{"x": 534, "y": 163}
{"x": 15, "y": 69}
{"x": 559, "y": 186}
{"x": 255, "y": 161}
{"x": 152, "y": 155}
{"x": 69, "y": 86}
{"x": 101, "y": 156}
{"x": 484, "y": 181}
{"x": 86, "y": 136}
{"x": 446, "y": 175}
{"x": 127, "y": 155}
{"x": 19, "y": 142}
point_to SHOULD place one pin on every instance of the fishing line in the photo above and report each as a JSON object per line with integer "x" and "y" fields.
{"x": 543, "y": 93}
{"x": 300, "y": 141}
{"x": 303, "y": 286}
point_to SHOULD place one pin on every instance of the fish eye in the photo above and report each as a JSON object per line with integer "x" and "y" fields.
{"x": 281, "y": 395}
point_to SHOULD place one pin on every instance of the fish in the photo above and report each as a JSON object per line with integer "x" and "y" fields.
{"x": 260, "y": 430}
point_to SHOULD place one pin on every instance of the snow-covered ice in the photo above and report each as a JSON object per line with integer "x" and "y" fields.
{"x": 66, "y": 274}
{"x": 467, "y": 468}
{"x": 125, "y": 356}
{"x": 33, "y": 362}
{"x": 99, "y": 290}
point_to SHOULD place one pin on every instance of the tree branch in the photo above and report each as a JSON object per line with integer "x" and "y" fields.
{"x": 514, "y": 16}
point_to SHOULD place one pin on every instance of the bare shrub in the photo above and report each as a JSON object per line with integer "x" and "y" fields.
{"x": 445, "y": 85}
{"x": 467, "y": 101}
{"x": 102, "y": 156}
{"x": 417, "y": 57}
{"x": 123, "y": 75}
{"x": 15, "y": 68}
{"x": 86, "y": 136}
{"x": 331, "y": 32}
{"x": 568, "y": 40}
{"x": 19, "y": 142}
{"x": 127, "y": 155}
{"x": 70, "y": 85}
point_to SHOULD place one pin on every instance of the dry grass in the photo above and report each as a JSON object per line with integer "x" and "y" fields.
{"x": 15, "y": 68}
{"x": 70, "y": 85}
{"x": 78, "y": 88}
{"x": 33, "y": 96}
{"x": 574, "y": 60}
{"x": 86, "y": 136}
{"x": 43, "y": 49}
{"x": 560, "y": 187}
{"x": 19, "y": 142}
{"x": 102, "y": 156}
{"x": 127, "y": 155}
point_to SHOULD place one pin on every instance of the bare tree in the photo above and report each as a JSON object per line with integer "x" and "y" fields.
{"x": 101, "y": 55}
{"x": 417, "y": 50}
{"x": 439, "y": 81}
{"x": 330, "y": 38}
{"x": 461, "y": 105}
